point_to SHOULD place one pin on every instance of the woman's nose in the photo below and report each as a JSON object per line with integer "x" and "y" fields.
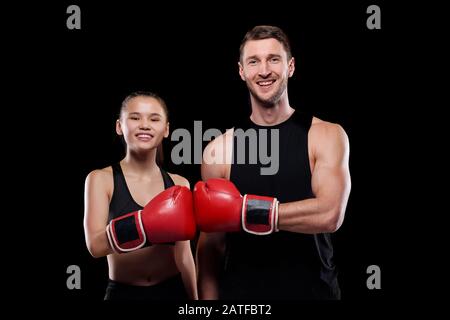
{"x": 145, "y": 125}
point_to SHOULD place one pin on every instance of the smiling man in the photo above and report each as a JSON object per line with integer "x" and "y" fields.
{"x": 268, "y": 236}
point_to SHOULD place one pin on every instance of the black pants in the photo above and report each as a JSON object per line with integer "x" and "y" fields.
{"x": 276, "y": 286}
{"x": 170, "y": 289}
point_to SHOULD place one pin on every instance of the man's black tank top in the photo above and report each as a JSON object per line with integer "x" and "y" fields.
{"x": 121, "y": 201}
{"x": 282, "y": 265}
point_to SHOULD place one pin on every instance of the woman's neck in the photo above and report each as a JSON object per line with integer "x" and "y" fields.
{"x": 141, "y": 164}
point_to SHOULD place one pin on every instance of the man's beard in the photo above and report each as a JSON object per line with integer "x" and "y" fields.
{"x": 272, "y": 100}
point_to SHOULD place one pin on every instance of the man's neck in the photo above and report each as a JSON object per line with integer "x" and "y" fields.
{"x": 278, "y": 113}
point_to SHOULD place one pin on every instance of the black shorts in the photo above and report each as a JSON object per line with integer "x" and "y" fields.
{"x": 170, "y": 289}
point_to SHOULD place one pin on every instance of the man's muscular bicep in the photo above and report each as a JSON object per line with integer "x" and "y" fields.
{"x": 331, "y": 176}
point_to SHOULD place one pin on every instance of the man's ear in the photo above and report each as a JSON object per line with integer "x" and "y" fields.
{"x": 291, "y": 66}
{"x": 241, "y": 71}
{"x": 166, "y": 132}
{"x": 119, "y": 127}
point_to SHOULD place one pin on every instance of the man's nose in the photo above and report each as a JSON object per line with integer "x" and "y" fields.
{"x": 264, "y": 70}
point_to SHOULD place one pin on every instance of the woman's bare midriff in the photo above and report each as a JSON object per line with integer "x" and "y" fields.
{"x": 143, "y": 267}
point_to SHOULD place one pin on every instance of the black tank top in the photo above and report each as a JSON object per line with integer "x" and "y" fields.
{"x": 282, "y": 265}
{"x": 121, "y": 201}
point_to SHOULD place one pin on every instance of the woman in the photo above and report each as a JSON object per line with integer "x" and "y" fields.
{"x": 154, "y": 271}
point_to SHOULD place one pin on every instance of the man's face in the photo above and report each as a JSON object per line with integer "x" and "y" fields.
{"x": 266, "y": 69}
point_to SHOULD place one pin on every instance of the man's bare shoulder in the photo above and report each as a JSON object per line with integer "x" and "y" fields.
{"x": 217, "y": 151}
{"x": 219, "y": 141}
{"x": 323, "y": 129}
{"x": 217, "y": 156}
{"x": 327, "y": 138}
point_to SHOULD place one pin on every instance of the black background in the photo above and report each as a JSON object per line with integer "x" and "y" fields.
{"x": 188, "y": 53}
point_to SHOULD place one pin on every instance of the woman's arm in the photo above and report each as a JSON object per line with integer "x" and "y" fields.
{"x": 96, "y": 206}
{"x": 183, "y": 254}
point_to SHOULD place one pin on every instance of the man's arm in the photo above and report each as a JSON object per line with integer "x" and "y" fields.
{"x": 211, "y": 246}
{"x": 330, "y": 184}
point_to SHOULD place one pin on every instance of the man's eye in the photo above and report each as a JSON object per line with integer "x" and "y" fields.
{"x": 252, "y": 62}
{"x": 275, "y": 59}
{"x": 134, "y": 118}
{"x": 154, "y": 119}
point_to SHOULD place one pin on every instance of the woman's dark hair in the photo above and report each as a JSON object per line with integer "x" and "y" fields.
{"x": 147, "y": 94}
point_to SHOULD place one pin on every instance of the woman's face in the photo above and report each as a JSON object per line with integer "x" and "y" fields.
{"x": 143, "y": 123}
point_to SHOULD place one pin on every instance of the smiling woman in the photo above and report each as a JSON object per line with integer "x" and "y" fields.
{"x": 144, "y": 106}
{"x": 140, "y": 216}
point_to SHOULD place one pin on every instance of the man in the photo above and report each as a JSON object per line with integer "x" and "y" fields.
{"x": 275, "y": 245}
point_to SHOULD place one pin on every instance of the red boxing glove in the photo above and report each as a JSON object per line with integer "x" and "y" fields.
{"x": 168, "y": 217}
{"x": 219, "y": 207}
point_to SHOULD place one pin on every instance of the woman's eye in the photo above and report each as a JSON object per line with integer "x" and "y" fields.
{"x": 134, "y": 118}
{"x": 154, "y": 119}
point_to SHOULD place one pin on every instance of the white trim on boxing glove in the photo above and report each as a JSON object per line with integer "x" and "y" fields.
{"x": 275, "y": 218}
{"x": 244, "y": 201}
{"x": 108, "y": 234}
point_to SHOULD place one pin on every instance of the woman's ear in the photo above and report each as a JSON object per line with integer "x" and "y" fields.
{"x": 166, "y": 132}
{"x": 119, "y": 127}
